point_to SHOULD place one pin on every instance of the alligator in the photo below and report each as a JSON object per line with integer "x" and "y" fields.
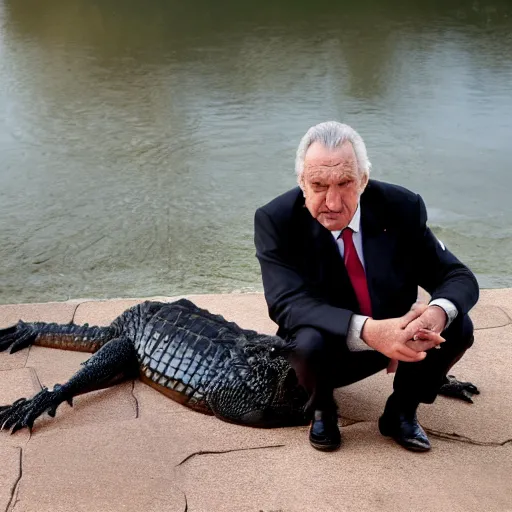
{"x": 189, "y": 354}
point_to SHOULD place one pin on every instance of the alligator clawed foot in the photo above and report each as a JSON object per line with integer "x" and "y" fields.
{"x": 23, "y": 412}
{"x": 458, "y": 389}
{"x": 17, "y": 337}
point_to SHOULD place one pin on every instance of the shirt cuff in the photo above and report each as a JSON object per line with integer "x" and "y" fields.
{"x": 354, "y": 341}
{"x": 448, "y": 307}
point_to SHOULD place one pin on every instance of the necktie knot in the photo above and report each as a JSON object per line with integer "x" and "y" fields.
{"x": 346, "y": 235}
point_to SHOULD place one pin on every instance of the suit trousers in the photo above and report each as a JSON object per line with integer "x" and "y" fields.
{"x": 323, "y": 362}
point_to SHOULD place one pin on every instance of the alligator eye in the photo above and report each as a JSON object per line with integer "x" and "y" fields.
{"x": 251, "y": 360}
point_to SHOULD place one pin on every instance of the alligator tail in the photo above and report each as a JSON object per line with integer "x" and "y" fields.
{"x": 80, "y": 338}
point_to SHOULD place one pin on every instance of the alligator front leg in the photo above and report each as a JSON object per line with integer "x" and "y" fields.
{"x": 23, "y": 412}
{"x": 113, "y": 363}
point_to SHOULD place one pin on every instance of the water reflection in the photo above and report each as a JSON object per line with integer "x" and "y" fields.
{"x": 138, "y": 139}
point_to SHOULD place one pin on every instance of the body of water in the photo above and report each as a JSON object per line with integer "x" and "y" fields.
{"x": 137, "y": 138}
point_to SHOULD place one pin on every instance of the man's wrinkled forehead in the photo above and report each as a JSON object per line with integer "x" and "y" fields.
{"x": 330, "y": 171}
{"x": 320, "y": 159}
{"x": 335, "y": 166}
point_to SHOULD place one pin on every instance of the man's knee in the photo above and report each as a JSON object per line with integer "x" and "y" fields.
{"x": 310, "y": 344}
{"x": 460, "y": 332}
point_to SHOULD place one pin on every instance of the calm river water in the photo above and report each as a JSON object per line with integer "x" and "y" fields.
{"x": 138, "y": 137}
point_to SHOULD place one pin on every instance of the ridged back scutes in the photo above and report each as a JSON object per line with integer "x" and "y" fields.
{"x": 187, "y": 317}
{"x": 180, "y": 343}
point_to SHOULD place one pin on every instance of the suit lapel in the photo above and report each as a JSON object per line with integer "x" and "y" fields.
{"x": 334, "y": 275}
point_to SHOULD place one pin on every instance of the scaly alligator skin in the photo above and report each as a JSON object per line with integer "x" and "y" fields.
{"x": 194, "y": 357}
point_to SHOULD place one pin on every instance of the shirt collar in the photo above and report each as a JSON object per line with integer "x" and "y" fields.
{"x": 354, "y": 224}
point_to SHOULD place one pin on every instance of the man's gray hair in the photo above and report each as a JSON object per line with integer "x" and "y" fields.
{"x": 331, "y": 135}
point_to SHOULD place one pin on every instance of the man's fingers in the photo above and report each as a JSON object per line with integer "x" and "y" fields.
{"x": 407, "y": 354}
{"x": 416, "y": 311}
{"x": 412, "y": 328}
{"x": 401, "y": 356}
{"x": 420, "y": 345}
{"x": 428, "y": 335}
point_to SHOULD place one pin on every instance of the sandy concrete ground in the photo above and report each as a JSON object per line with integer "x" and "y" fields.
{"x": 130, "y": 448}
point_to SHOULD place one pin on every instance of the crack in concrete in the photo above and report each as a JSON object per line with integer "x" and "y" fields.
{"x": 35, "y": 378}
{"x": 219, "y": 452}
{"x": 15, "y": 487}
{"x": 440, "y": 435}
{"x": 492, "y": 327}
{"x": 464, "y": 439}
{"x": 348, "y": 422}
{"x": 16, "y": 367}
{"x": 135, "y": 399}
{"x": 497, "y": 326}
{"x": 213, "y": 452}
{"x": 504, "y": 311}
{"x": 74, "y": 313}
{"x": 353, "y": 421}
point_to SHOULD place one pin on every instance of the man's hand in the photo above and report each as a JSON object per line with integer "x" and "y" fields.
{"x": 390, "y": 337}
{"x": 433, "y": 319}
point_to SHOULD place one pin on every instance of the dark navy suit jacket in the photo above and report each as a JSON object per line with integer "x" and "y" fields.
{"x": 304, "y": 277}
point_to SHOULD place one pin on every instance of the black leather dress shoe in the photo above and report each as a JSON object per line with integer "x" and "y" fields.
{"x": 324, "y": 433}
{"x": 405, "y": 430}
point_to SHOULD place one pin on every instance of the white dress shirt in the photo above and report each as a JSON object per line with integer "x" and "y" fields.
{"x": 354, "y": 340}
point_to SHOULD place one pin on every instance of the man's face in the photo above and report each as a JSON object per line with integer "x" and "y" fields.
{"x": 332, "y": 184}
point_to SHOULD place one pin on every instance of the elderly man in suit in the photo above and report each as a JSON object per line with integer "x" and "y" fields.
{"x": 341, "y": 258}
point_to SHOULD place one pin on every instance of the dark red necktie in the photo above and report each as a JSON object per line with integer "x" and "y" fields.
{"x": 356, "y": 273}
{"x": 357, "y": 277}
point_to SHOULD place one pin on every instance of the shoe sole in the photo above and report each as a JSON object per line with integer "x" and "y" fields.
{"x": 325, "y": 447}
